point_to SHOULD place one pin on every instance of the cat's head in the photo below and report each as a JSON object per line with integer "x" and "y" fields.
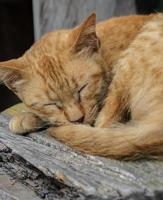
{"x": 61, "y": 78}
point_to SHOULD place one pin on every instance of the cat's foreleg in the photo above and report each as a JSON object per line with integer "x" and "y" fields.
{"x": 110, "y": 113}
{"x": 116, "y": 104}
{"x": 25, "y": 122}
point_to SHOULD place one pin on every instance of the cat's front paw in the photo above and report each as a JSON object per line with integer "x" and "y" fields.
{"x": 24, "y": 123}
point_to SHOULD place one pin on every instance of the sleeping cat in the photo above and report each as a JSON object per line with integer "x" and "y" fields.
{"x": 95, "y": 76}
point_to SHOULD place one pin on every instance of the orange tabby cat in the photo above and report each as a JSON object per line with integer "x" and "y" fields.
{"x": 95, "y": 75}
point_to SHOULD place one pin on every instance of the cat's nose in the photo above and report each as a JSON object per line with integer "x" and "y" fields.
{"x": 74, "y": 113}
{"x": 80, "y": 120}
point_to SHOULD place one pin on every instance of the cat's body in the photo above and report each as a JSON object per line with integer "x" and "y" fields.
{"x": 80, "y": 76}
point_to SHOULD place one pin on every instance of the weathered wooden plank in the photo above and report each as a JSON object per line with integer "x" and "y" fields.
{"x": 134, "y": 176}
{"x": 9, "y": 189}
{"x": 23, "y": 176}
{"x": 91, "y": 175}
{"x": 54, "y": 14}
{"x": 5, "y": 196}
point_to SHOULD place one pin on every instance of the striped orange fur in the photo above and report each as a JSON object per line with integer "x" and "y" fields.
{"x": 100, "y": 86}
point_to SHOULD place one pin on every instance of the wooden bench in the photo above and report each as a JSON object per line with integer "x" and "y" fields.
{"x": 37, "y": 166}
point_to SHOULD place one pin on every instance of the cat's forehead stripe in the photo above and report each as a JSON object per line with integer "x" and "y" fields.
{"x": 41, "y": 74}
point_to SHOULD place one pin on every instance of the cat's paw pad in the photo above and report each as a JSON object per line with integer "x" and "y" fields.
{"x": 24, "y": 123}
{"x": 15, "y": 126}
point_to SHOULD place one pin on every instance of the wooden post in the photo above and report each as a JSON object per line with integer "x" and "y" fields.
{"x": 54, "y": 14}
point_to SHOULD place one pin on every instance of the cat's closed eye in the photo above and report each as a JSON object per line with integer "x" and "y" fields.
{"x": 80, "y": 90}
{"x": 57, "y": 104}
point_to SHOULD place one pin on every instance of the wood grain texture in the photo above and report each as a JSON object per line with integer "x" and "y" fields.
{"x": 6, "y": 196}
{"x": 54, "y": 14}
{"x": 19, "y": 178}
{"x": 91, "y": 175}
{"x": 9, "y": 189}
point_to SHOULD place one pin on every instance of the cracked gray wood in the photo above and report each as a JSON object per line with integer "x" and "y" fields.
{"x": 9, "y": 189}
{"x": 91, "y": 175}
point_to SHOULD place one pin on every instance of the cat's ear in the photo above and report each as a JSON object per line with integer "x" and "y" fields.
{"x": 85, "y": 37}
{"x": 12, "y": 74}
